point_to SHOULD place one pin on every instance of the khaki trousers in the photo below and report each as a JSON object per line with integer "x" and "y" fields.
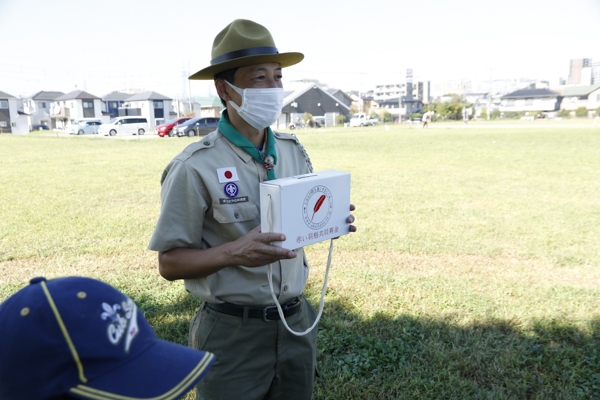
{"x": 256, "y": 359}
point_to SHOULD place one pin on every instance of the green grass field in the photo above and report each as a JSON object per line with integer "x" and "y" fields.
{"x": 474, "y": 274}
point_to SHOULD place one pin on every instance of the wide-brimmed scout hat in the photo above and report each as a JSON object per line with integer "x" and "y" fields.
{"x": 242, "y": 43}
{"x": 82, "y": 337}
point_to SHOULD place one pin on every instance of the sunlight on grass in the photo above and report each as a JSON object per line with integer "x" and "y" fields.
{"x": 474, "y": 273}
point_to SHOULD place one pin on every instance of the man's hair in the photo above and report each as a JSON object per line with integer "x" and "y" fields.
{"x": 229, "y": 76}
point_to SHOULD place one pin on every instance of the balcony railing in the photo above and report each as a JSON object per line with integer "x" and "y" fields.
{"x": 61, "y": 112}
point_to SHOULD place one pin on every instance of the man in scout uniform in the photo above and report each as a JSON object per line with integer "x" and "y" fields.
{"x": 208, "y": 232}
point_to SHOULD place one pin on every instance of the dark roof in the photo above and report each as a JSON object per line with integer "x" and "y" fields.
{"x": 313, "y": 99}
{"x": 585, "y": 90}
{"x": 6, "y": 95}
{"x": 147, "y": 96}
{"x": 46, "y": 96}
{"x": 116, "y": 96}
{"x": 77, "y": 94}
{"x": 531, "y": 93}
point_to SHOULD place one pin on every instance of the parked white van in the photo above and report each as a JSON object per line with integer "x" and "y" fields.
{"x": 125, "y": 125}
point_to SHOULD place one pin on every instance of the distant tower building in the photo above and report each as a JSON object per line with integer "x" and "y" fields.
{"x": 580, "y": 71}
{"x": 595, "y": 73}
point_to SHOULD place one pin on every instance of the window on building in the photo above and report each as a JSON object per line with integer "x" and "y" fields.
{"x": 88, "y": 104}
{"x": 158, "y": 104}
{"x": 3, "y": 124}
{"x": 114, "y": 104}
{"x": 43, "y": 104}
{"x": 3, "y": 103}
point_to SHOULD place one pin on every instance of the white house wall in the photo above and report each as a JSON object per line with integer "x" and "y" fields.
{"x": 573, "y": 103}
{"x": 19, "y": 124}
{"x": 510, "y": 105}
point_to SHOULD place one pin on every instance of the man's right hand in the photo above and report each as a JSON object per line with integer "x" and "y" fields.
{"x": 254, "y": 249}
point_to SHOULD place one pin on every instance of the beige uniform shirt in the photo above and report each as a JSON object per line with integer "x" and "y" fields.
{"x": 198, "y": 213}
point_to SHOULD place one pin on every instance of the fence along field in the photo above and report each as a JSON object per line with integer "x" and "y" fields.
{"x": 474, "y": 273}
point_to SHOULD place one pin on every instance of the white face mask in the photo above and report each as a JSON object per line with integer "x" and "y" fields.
{"x": 260, "y": 107}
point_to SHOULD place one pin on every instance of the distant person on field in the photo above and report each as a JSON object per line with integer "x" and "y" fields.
{"x": 79, "y": 338}
{"x": 427, "y": 118}
{"x": 208, "y": 232}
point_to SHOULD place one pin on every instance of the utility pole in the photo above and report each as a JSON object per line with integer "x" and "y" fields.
{"x": 189, "y": 89}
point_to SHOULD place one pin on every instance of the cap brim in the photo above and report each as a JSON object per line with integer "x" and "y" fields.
{"x": 285, "y": 59}
{"x": 164, "y": 371}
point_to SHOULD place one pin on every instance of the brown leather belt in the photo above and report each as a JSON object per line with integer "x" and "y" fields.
{"x": 268, "y": 313}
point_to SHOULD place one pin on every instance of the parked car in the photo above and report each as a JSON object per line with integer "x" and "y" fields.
{"x": 124, "y": 125}
{"x": 166, "y": 129}
{"x": 84, "y": 126}
{"x": 196, "y": 126}
{"x": 40, "y": 127}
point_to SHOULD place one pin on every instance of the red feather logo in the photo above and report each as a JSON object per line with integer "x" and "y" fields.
{"x": 318, "y": 205}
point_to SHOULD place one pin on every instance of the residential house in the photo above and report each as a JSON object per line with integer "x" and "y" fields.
{"x": 400, "y": 108}
{"x": 154, "y": 106}
{"x": 313, "y": 99}
{"x": 75, "y": 105}
{"x": 210, "y": 106}
{"x": 587, "y": 96}
{"x": 341, "y": 96}
{"x": 112, "y": 101}
{"x": 481, "y": 101}
{"x": 531, "y": 100}
{"x": 38, "y": 107}
{"x": 13, "y": 119}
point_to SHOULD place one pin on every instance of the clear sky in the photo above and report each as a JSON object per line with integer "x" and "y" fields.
{"x": 101, "y": 46}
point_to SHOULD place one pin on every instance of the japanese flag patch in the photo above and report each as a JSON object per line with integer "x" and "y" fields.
{"x": 228, "y": 174}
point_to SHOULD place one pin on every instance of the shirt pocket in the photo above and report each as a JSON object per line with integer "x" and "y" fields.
{"x": 232, "y": 213}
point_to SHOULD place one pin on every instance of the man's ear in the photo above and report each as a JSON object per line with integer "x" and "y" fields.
{"x": 221, "y": 87}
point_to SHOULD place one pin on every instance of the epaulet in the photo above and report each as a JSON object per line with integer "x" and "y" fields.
{"x": 291, "y": 136}
{"x": 206, "y": 142}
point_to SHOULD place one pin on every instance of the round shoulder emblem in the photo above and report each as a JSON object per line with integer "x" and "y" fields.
{"x": 231, "y": 189}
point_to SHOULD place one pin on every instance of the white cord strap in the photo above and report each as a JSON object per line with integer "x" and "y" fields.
{"x": 323, "y": 290}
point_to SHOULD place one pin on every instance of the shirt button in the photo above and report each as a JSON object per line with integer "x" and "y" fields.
{"x": 236, "y": 215}
{"x": 285, "y": 288}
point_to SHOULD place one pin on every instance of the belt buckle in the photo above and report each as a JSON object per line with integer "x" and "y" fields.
{"x": 265, "y": 310}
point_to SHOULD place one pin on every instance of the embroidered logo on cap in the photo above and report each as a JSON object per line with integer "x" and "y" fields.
{"x": 228, "y": 174}
{"x": 122, "y": 322}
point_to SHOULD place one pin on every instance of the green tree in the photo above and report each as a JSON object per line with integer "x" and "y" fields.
{"x": 564, "y": 114}
{"x": 495, "y": 114}
{"x": 512, "y": 115}
{"x": 387, "y": 117}
{"x": 581, "y": 112}
{"x": 307, "y": 117}
{"x": 340, "y": 119}
{"x": 483, "y": 113}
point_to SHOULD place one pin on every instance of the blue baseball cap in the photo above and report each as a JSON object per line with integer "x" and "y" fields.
{"x": 83, "y": 338}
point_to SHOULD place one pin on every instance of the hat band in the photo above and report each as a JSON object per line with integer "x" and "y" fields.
{"x": 254, "y": 51}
